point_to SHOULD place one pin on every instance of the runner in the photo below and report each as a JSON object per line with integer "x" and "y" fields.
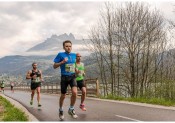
{"x": 80, "y": 79}
{"x": 2, "y": 85}
{"x": 36, "y": 78}
{"x": 66, "y": 61}
{"x": 12, "y": 85}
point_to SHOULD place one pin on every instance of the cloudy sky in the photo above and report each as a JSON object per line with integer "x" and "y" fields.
{"x": 25, "y": 24}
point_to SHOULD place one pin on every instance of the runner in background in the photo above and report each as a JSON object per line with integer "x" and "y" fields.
{"x": 36, "y": 78}
{"x": 2, "y": 85}
{"x": 12, "y": 85}
{"x": 79, "y": 68}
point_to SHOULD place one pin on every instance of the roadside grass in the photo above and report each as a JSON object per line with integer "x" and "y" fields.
{"x": 156, "y": 101}
{"x": 9, "y": 113}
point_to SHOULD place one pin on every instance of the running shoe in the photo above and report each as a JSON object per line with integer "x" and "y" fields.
{"x": 31, "y": 102}
{"x": 72, "y": 113}
{"x": 82, "y": 106}
{"x": 39, "y": 105}
{"x": 61, "y": 115}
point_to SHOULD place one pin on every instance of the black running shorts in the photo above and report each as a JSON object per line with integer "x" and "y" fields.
{"x": 81, "y": 84}
{"x": 11, "y": 87}
{"x": 67, "y": 80}
{"x": 34, "y": 85}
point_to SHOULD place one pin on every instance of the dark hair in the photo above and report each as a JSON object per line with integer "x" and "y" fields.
{"x": 66, "y": 41}
{"x": 34, "y": 63}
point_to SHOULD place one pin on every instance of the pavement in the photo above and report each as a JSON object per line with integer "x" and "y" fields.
{"x": 97, "y": 109}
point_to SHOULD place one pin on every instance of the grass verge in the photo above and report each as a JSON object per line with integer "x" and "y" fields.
{"x": 10, "y": 113}
{"x": 143, "y": 100}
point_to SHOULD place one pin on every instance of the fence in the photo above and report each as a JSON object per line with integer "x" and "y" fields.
{"x": 92, "y": 86}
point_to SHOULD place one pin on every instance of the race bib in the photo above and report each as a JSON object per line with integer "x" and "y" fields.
{"x": 70, "y": 68}
{"x": 81, "y": 73}
{"x": 37, "y": 79}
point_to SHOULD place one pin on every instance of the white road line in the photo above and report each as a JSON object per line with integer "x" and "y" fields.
{"x": 127, "y": 118}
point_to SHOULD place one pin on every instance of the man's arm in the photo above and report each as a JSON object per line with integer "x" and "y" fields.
{"x": 84, "y": 70}
{"x": 28, "y": 75}
{"x": 56, "y": 65}
{"x": 41, "y": 77}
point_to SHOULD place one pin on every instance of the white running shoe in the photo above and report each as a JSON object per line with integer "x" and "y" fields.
{"x": 72, "y": 113}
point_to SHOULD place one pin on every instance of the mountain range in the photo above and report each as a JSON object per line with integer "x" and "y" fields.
{"x": 53, "y": 43}
{"x": 19, "y": 65}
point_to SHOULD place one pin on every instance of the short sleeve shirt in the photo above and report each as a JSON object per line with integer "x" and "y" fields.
{"x": 80, "y": 75}
{"x": 67, "y": 68}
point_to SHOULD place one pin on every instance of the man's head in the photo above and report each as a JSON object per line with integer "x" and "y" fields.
{"x": 67, "y": 45}
{"x": 34, "y": 65}
{"x": 78, "y": 57}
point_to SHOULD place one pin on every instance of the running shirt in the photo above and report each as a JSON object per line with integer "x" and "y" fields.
{"x": 80, "y": 67}
{"x": 38, "y": 74}
{"x": 67, "y": 68}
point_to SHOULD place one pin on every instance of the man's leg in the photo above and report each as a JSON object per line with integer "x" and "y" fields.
{"x": 64, "y": 85}
{"x": 83, "y": 96}
{"x": 61, "y": 101}
{"x": 32, "y": 95}
{"x": 74, "y": 95}
{"x": 82, "y": 86}
{"x": 73, "y": 85}
{"x": 38, "y": 95}
{"x": 71, "y": 110}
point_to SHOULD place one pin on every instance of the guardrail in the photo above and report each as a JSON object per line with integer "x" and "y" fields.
{"x": 92, "y": 86}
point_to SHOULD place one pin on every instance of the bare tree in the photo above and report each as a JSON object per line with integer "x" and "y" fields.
{"x": 126, "y": 41}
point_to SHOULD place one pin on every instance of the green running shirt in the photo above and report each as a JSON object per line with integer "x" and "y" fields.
{"x": 80, "y": 67}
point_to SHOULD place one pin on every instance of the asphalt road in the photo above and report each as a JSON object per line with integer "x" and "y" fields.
{"x": 97, "y": 110}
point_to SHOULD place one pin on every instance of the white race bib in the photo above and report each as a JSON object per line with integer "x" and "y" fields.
{"x": 37, "y": 79}
{"x": 70, "y": 67}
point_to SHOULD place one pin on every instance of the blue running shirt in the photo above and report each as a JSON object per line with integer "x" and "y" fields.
{"x": 67, "y": 68}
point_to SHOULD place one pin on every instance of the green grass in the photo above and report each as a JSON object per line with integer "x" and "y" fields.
{"x": 10, "y": 113}
{"x": 143, "y": 100}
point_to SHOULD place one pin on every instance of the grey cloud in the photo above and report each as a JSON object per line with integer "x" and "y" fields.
{"x": 10, "y": 26}
{"x": 56, "y": 17}
{"x": 23, "y": 8}
{"x": 20, "y": 12}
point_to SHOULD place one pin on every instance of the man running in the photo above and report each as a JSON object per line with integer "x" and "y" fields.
{"x": 66, "y": 61}
{"x": 36, "y": 78}
{"x": 2, "y": 85}
{"x": 80, "y": 79}
{"x": 12, "y": 85}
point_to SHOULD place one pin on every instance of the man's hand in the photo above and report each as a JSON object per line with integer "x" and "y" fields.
{"x": 83, "y": 74}
{"x": 65, "y": 60}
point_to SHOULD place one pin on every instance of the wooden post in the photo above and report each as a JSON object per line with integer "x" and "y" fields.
{"x": 47, "y": 88}
{"x": 57, "y": 88}
{"x": 52, "y": 87}
{"x": 97, "y": 87}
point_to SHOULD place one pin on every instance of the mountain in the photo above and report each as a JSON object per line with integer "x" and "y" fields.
{"x": 19, "y": 65}
{"x": 16, "y": 65}
{"x": 55, "y": 43}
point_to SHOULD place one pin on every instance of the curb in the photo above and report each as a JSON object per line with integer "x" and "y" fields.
{"x": 30, "y": 117}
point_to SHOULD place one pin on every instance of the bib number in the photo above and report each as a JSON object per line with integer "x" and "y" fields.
{"x": 70, "y": 68}
{"x": 37, "y": 79}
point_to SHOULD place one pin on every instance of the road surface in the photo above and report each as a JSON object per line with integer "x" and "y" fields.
{"x": 97, "y": 110}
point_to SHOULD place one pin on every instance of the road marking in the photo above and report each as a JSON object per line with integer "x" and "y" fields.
{"x": 127, "y": 118}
